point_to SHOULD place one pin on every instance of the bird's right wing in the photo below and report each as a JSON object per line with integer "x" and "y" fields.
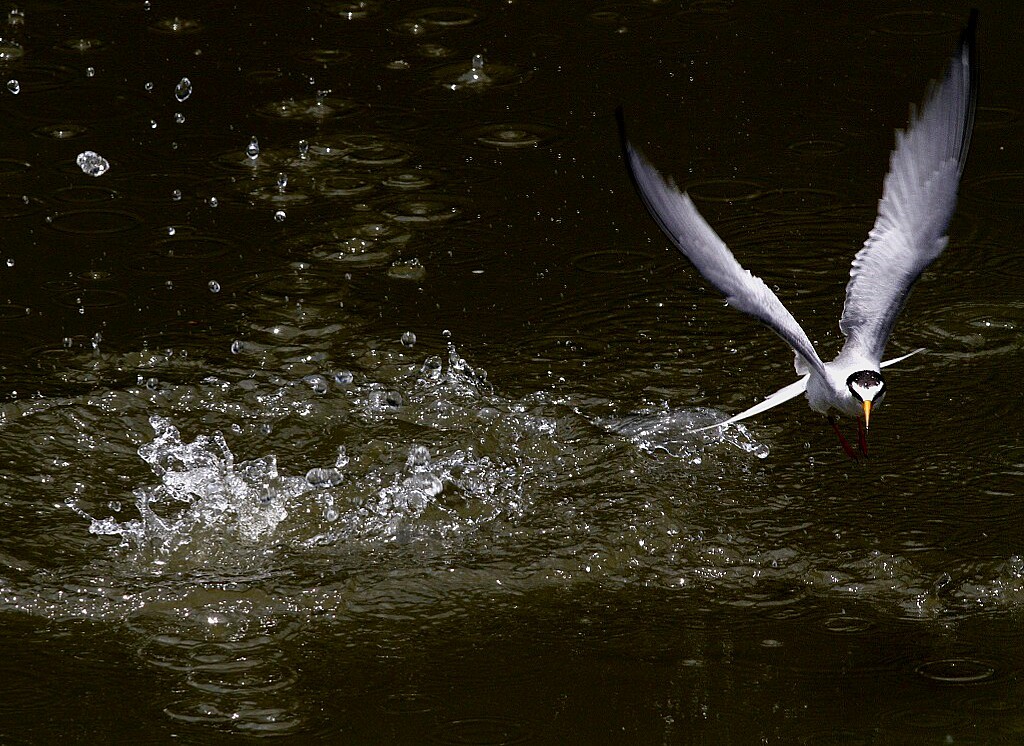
{"x": 917, "y": 203}
{"x": 678, "y": 218}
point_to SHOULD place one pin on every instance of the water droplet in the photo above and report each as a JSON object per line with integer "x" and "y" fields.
{"x": 214, "y": 286}
{"x": 446, "y": 333}
{"x": 252, "y": 150}
{"x": 183, "y": 90}
{"x": 176, "y": 195}
{"x": 212, "y": 201}
{"x": 10, "y": 262}
{"x": 171, "y": 230}
{"x": 152, "y": 383}
{"x": 343, "y": 377}
{"x": 114, "y": 505}
{"x": 67, "y": 342}
{"x": 408, "y": 339}
{"x": 152, "y": 124}
{"x": 92, "y": 163}
{"x": 148, "y": 86}
{"x": 342, "y": 460}
{"x": 179, "y": 118}
{"x": 282, "y": 181}
{"x": 303, "y": 149}
{"x": 90, "y": 72}
{"x": 316, "y": 382}
{"x": 14, "y": 86}
{"x": 237, "y": 346}
{"x": 320, "y": 477}
{"x": 280, "y": 215}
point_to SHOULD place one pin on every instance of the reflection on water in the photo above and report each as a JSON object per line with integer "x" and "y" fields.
{"x": 251, "y": 484}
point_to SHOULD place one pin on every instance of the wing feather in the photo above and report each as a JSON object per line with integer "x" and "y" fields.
{"x": 678, "y": 218}
{"x": 918, "y": 199}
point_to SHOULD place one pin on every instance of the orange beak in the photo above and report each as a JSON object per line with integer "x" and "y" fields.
{"x": 867, "y": 414}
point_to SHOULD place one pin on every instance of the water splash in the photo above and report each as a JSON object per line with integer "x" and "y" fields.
{"x": 202, "y": 494}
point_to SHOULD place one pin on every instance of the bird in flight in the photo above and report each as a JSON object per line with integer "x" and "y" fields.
{"x": 918, "y": 200}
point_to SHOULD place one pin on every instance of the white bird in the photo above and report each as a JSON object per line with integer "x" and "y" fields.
{"x": 918, "y": 199}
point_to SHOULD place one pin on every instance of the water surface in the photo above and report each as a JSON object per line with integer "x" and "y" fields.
{"x": 351, "y": 397}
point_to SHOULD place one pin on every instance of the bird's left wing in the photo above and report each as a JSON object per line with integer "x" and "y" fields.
{"x": 917, "y": 203}
{"x": 679, "y": 220}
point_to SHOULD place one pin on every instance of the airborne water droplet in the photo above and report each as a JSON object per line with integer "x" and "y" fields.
{"x": 280, "y": 215}
{"x": 183, "y": 90}
{"x": 92, "y": 163}
{"x": 14, "y": 86}
{"x": 408, "y": 339}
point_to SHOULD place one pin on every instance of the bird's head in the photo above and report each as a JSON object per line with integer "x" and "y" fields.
{"x": 868, "y": 388}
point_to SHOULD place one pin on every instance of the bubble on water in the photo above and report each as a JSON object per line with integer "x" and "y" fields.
{"x": 343, "y": 377}
{"x": 237, "y": 347}
{"x": 212, "y": 201}
{"x": 252, "y": 150}
{"x": 321, "y": 477}
{"x": 148, "y": 86}
{"x": 14, "y": 86}
{"x": 410, "y": 270}
{"x": 408, "y": 339}
{"x": 183, "y": 90}
{"x": 280, "y": 215}
{"x": 114, "y": 505}
{"x": 92, "y": 163}
{"x": 214, "y": 286}
{"x": 152, "y": 383}
{"x": 10, "y": 50}
{"x": 171, "y": 230}
{"x": 316, "y": 382}
{"x": 179, "y": 118}
{"x": 90, "y": 72}
{"x": 282, "y": 181}
{"x": 176, "y": 195}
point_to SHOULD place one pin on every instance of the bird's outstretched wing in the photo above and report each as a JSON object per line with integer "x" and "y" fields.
{"x": 675, "y": 212}
{"x": 917, "y": 203}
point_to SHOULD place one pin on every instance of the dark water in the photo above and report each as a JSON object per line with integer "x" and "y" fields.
{"x": 351, "y": 402}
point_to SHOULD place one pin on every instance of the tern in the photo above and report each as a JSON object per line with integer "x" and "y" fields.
{"x": 918, "y": 199}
